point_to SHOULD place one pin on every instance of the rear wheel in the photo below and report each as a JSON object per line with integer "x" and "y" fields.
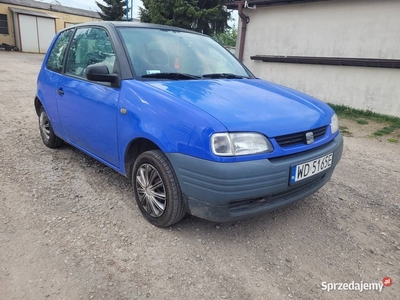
{"x": 157, "y": 189}
{"x": 46, "y": 131}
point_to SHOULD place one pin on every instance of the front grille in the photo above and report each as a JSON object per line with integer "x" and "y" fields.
{"x": 299, "y": 137}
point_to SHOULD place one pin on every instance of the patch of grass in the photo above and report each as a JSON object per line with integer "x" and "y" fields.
{"x": 392, "y": 140}
{"x": 361, "y": 115}
{"x": 362, "y": 121}
{"x": 344, "y": 129}
{"x": 384, "y": 130}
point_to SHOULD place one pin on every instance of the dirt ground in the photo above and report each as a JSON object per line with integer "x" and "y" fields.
{"x": 69, "y": 228}
{"x": 351, "y": 128}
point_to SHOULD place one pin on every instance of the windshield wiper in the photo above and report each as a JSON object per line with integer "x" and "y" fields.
{"x": 175, "y": 76}
{"x": 224, "y": 75}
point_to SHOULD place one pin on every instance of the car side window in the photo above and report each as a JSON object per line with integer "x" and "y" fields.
{"x": 56, "y": 56}
{"x": 89, "y": 46}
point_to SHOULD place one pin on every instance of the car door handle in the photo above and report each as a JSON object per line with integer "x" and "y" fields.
{"x": 60, "y": 91}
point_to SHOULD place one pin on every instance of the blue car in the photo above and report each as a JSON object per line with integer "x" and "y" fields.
{"x": 193, "y": 129}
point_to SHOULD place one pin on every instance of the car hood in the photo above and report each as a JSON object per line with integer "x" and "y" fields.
{"x": 251, "y": 104}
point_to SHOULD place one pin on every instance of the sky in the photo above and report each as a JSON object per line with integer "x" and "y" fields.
{"x": 91, "y": 5}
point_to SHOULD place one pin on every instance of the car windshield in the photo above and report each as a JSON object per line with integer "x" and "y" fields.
{"x": 177, "y": 55}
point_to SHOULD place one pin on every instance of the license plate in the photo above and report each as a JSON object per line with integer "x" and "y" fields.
{"x": 308, "y": 169}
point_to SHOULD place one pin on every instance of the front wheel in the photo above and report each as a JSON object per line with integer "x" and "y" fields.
{"x": 49, "y": 138}
{"x": 157, "y": 189}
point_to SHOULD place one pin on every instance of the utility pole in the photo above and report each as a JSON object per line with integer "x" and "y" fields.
{"x": 127, "y": 10}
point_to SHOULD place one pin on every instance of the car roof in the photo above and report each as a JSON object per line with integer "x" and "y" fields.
{"x": 121, "y": 24}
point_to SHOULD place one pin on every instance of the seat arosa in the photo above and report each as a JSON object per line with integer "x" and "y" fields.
{"x": 193, "y": 129}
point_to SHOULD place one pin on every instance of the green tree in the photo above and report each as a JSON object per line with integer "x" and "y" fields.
{"x": 214, "y": 18}
{"x": 114, "y": 10}
{"x": 228, "y": 37}
{"x": 205, "y": 16}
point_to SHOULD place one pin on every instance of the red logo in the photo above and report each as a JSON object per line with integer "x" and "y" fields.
{"x": 387, "y": 281}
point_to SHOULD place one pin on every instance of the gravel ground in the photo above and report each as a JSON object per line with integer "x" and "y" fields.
{"x": 69, "y": 228}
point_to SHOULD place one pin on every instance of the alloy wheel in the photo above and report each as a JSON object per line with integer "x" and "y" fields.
{"x": 151, "y": 190}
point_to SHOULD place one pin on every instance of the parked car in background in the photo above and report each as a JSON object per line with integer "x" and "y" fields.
{"x": 193, "y": 128}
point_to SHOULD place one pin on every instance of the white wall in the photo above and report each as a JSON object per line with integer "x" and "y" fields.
{"x": 337, "y": 28}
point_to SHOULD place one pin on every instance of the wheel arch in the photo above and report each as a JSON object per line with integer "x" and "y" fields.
{"x": 38, "y": 105}
{"x": 134, "y": 149}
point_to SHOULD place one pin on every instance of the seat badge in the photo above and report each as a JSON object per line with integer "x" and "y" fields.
{"x": 309, "y": 138}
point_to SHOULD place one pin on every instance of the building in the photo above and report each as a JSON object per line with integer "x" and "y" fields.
{"x": 340, "y": 51}
{"x": 31, "y": 25}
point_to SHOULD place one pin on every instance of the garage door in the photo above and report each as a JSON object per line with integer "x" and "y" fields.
{"x": 36, "y": 33}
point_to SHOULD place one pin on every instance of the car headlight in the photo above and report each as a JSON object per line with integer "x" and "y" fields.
{"x": 242, "y": 143}
{"x": 334, "y": 124}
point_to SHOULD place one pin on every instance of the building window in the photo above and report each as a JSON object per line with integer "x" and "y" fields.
{"x": 3, "y": 24}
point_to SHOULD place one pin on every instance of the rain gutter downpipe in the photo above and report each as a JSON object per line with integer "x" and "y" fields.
{"x": 245, "y": 20}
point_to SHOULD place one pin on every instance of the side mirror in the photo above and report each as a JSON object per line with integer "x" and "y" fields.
{"x": 99, "y": 72}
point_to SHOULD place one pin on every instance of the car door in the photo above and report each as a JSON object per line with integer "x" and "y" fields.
{"x": 88, "y": 110}
{"x": 49, "y": 78}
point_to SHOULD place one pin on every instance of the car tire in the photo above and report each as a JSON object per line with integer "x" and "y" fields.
{"x": 46, "y": 131}
{"x": 157, "y": 190}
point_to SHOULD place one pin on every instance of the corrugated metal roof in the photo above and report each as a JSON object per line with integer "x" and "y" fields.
{"x": 32, "y": 13}
{"x": 53, "y": 7}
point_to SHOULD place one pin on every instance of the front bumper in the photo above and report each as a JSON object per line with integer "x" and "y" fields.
{"x": 224, "y": 192}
